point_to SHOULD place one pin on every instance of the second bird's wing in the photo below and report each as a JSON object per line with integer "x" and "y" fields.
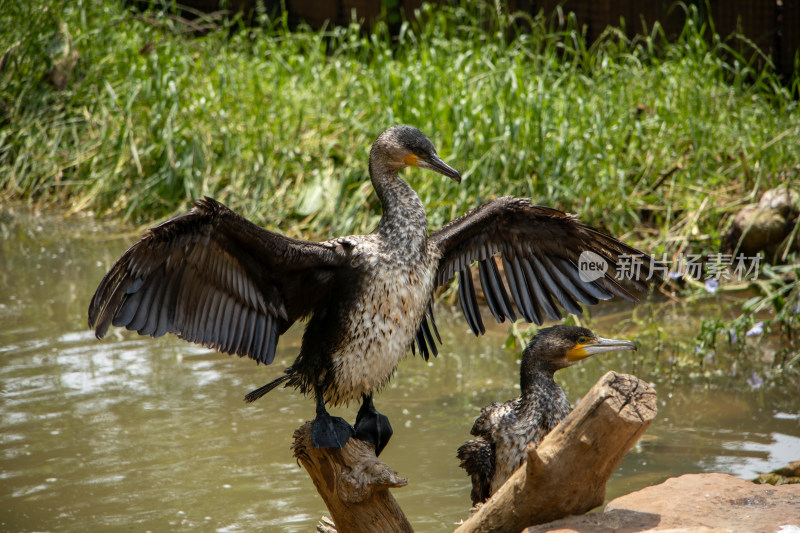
{"x": 540, "y": 248}
{"x": 214, "y": 278}
{"x": 477, "y": 458}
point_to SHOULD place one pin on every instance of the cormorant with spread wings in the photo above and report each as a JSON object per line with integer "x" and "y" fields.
{"x": 214, "y": 278}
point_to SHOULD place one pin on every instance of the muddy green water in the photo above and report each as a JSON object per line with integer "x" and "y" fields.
{"x": 137, "y": 434}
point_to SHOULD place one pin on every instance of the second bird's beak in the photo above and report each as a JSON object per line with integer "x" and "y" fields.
{"x": 598, "y": 345}
{"x": 435, "y": 163}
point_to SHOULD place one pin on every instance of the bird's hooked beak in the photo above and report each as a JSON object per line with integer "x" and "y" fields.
{"x": 435, "y": 163}
{"x": 597, "y": 345}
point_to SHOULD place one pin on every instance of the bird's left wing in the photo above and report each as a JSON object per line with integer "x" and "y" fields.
{"x": 541, "y": 249}
{"x": 214, "y": 278}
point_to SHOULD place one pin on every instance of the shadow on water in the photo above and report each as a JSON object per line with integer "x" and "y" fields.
{"x": 140, "y": 434}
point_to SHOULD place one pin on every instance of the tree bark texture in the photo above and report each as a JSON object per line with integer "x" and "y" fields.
{"x": 353, "y": 484}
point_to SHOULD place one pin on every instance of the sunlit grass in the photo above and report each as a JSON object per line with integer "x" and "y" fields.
{"x": 652, "y": 141}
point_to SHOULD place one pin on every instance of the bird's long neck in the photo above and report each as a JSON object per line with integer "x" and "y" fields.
{"x": 536, "y": 373}
{"x": 403, "y": 222}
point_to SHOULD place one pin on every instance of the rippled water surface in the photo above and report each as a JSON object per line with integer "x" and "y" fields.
{"x": 137, "y": 434}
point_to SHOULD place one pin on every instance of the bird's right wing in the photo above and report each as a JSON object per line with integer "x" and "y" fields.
{"x": 541, "y": 249}
{"x": 214, "y": 278}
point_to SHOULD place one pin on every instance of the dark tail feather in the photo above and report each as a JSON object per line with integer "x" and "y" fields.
{"x": 261, "y": 391}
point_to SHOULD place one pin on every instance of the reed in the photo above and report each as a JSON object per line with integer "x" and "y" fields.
{"x": 650, "y": 140}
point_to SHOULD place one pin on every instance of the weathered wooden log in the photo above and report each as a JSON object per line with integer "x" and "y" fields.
{"x": 567, "y": 473}
{"x": 353, "y": 484}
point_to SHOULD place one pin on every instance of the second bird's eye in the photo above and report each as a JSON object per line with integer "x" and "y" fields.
{"x": 582, "y": 340}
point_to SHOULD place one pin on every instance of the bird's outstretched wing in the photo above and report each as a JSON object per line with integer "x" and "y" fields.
{"x": 214, "y": 278}
{"x": 540, "y": 248}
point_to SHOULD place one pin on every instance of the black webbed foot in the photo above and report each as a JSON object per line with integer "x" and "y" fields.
{"x": 329, "y": 431}
{"x": 372, "y": 426}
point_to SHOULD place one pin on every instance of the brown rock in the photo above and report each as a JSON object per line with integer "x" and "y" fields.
{"x": 693, "y": 502}
{"x": 765, "y": 227}
{"x": 783, "y": 200}
{"x": 787, "y": 474}
{"x": 763, "y": 230}
{"x": 791, "y": 470}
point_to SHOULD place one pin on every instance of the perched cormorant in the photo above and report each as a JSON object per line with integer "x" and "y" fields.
{"x": 214, "y": 278}
{"x": 504, "y": 430}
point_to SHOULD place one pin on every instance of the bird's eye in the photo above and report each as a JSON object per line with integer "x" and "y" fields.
{"x": 582, "y": 340}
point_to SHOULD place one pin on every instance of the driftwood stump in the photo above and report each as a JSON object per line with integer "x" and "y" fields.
{"x": 567, "y": 473}
{"x": 353, "y": 483}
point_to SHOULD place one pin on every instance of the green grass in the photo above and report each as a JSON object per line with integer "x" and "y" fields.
{"x": 656, "y": 142}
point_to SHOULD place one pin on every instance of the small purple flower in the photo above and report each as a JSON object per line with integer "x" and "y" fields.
{"x": 675, "y": 274}
{"x": 757, "y": 329}
{"x": 712, "y": 284}
{"x": 733, "y": 336}
{"x": 755, "y": 380}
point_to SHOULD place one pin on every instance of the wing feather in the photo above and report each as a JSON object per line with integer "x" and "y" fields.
{"x": 469, "y": 303}
{"x": 490, "y": 291}
{"x": 214, "y": 278}
{"x": 541, "y": 295}
{"x": 540, "y": 249}
{"x": 426, "y": 331}
{"x": 422, "y": 345}
{"x": 559, "y": 290}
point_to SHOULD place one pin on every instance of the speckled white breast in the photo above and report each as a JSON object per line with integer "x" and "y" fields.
{"x": 393, "y": 301}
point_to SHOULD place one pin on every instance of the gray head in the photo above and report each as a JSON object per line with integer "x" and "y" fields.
{"x": 403, "y": 146}
{"x": 557, "y": 347}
